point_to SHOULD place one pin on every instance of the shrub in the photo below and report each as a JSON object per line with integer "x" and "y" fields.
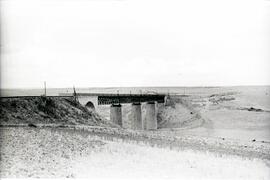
{"x": 47, "y": 105}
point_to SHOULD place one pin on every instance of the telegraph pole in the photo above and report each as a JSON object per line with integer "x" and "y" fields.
{"x": 45, "y": 88}
{"x": 118, "y": 97}
{"x": 74, "y": 93}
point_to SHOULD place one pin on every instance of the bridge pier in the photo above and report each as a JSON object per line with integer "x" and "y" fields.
{"x": 116, "y": 114}
{"x": 136, "y": 116}
{"x": 150, "y": 118}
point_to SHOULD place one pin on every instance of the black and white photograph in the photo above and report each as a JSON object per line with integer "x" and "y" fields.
{"x": 135, "y": 89}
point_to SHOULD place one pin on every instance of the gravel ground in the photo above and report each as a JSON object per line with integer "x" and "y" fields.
{"x": 54, "y": 152}
{"x": 42, "y": 153}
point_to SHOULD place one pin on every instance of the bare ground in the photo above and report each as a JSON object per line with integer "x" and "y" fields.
{"x": 84, "y": 151}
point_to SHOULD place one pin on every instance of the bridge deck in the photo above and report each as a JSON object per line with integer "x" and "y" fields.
{"x": 106, "y": 98}
{"x": 127, "y": 98}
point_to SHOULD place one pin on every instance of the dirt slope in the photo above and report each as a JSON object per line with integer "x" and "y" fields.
{"x": 47, "y": 110}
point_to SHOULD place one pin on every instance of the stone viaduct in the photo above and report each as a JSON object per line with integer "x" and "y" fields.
{"x": 93, "y": 100}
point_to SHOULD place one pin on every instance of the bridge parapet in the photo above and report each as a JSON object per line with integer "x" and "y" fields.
{"x": 127, "y": 98}
{"x": 104, "y": 99}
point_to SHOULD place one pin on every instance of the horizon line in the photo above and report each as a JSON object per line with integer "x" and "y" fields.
{"x": 108, "y": 87}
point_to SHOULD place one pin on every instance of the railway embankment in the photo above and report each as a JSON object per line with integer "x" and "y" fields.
{"x": 48, "y": 110}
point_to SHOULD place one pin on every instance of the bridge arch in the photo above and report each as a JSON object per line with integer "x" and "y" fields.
{"x": 86, "y": 99}
{"x": 90, "y": 105}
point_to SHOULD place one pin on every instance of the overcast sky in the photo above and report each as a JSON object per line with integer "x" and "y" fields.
{"x": 101, "y": 43}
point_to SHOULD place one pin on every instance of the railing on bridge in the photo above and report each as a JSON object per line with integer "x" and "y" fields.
{"x": 129, "y": 98}
{"x": 106, "y": 98}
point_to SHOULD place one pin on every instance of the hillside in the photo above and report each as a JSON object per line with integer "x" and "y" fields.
{"x": 47, "y": 110}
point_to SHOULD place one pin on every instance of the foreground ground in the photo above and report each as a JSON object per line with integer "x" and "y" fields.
{"x": 49, "y": 152}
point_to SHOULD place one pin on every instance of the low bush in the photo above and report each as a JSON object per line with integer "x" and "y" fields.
{"x": 47, "y": 105}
